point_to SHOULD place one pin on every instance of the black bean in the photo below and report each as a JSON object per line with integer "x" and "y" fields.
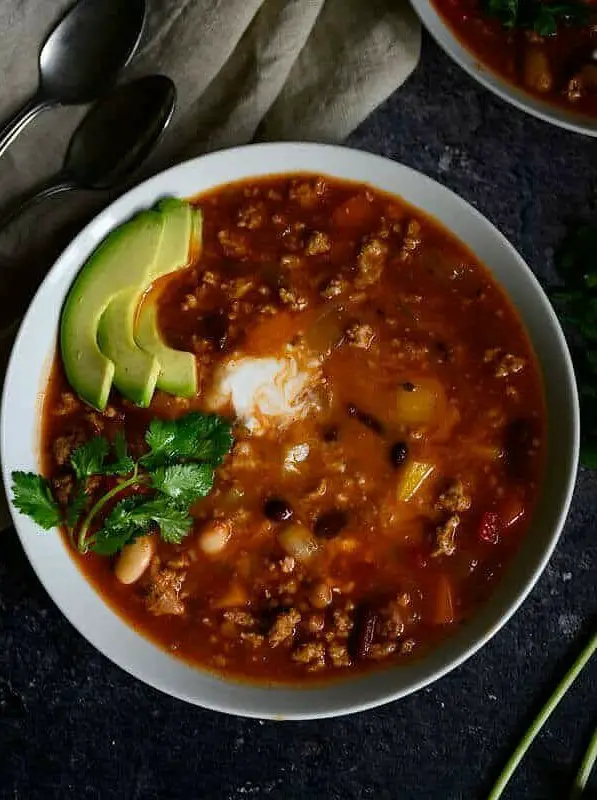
{"x": 519, "y": 444}
{"x": 398, "y": 453}
{"x": 277, "y": 509}
{"x": 365, "y": 419}
{"x": 214, "y": 327}
{"x": 330, "y": 523}
{"x": 331, "y": 434}
{"x": 408, "y": 386}
{"x": 443, "y": 352}
{"x": 366, "y": 623}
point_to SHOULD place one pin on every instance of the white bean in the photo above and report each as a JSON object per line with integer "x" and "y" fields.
{"x": 134, "y": 559}
{"x": 214, "y": 538}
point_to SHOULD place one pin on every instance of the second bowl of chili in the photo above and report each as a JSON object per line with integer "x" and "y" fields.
{"x": 538, "y": 56}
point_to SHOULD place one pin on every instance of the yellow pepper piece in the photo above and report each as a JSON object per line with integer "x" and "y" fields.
{"x": 413, "y": 478}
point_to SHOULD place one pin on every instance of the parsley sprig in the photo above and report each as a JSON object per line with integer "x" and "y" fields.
{"x": 161, "y": 486}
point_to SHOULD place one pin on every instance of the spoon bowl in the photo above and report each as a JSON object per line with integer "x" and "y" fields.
{"x": 99, "y": 158}
{"x": 81, "y": 58}
{"x": 92, "y": 43}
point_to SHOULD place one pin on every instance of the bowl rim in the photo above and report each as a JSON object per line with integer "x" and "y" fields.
{"x": 246, "y": 699}
{"x": 460, "y": 53}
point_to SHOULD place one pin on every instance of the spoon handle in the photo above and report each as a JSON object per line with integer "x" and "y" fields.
{"x": 21, "y": 119}
{"x": 56, "y": 185}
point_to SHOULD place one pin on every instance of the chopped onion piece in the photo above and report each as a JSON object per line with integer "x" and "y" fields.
{"x": 295, "y": 455}
{"x": 235, "y": 597}
{"x": 298, "y": 541}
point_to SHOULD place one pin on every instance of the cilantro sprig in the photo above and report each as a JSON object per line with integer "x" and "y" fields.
{"x": 542, "y": 17}
{"x": 161, "y": 486}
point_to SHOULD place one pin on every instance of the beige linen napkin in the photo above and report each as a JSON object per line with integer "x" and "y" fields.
{"x": 244, "y": 69}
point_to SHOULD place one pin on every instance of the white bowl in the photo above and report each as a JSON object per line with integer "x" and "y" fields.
{"x": 28, "y": 371}
{"x": 465, "y": 58}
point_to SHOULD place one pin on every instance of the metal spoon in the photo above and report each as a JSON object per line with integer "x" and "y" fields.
{"x": 82, "y": 57}
{"x": 112, "y": 140}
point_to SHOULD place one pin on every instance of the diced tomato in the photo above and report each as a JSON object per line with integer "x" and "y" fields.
{"x": 356, "y": 212}
{"x": 491, "y": 527}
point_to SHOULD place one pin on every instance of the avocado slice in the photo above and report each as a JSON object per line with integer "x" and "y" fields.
{"x": 137, "y": 369}
{"x": 178, "y": 369}
{"x": 178, "y": 373}
{"x": 183, "y": 230}
{"x": 124, "y": 259}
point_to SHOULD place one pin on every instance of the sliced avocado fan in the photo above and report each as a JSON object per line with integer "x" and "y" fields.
{"x": 97, "y": 335}
{"x": 124, "y": 259}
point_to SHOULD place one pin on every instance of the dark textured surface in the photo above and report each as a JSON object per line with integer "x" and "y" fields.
{"x": 74, "y": 726}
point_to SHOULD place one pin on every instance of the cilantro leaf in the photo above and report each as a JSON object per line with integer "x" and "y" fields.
{"x": 545, "y": 23}
{"x": 123, "y": 463}
{"x": 184, "y": 483}
{"x": 32, "y": 495}
{"x": 194, "y": 437}
{"x": 136, "y": 516}
{"x": 504, "y": 10}
{"x": 76, "y": 507}
{"x": 549, "y": 15}
{"x": 212, "y": 451}
{"x": 222, "y": 441}
{"x": 88, "y": 459}
{"x": 120, "y": 527}
{"x": 174, "y": 523}
{"x": 108, "y": 543}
